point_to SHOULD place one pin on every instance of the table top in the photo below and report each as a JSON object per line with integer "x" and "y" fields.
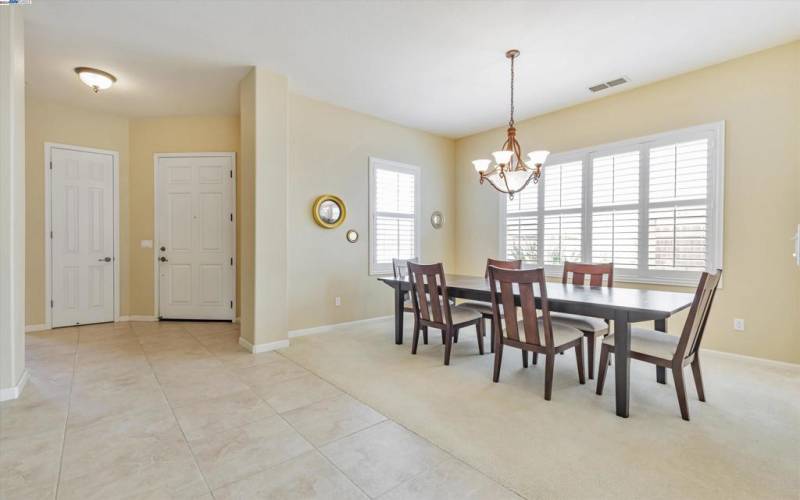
{"x": 628, "y": 299}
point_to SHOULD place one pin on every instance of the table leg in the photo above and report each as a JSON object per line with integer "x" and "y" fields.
{"x": 622, "y": 365}
{"x": 661, "y": 372}
{"x": 398, "y": 315}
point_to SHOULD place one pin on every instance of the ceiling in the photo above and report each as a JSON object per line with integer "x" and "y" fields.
{"x": 435, "y": 66}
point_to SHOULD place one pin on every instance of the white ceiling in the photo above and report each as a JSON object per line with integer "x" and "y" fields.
{"x": 435, "y": 66}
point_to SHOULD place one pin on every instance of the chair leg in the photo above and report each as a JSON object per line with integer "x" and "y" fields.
{"x": 455, "y": 337}
{"x": 590, "y": 350}
{"x": 415, "y": 340}
{"x": 425, "y": 335}
{"x": 479, "y": 329}
{"x": 680, "y": 389}
{"x": 534, "y": 358}
{"x": 698, "y": 378}
{"x": 498, "y": 360}
{"x": 579, "y": 359}
{"x": 448, "y": 347}
{"x": 524, "y": 358}
{"x": 603, "y": 368}
{"x": 444, "y": 338}
{"x": 491, "y": 329}
{"x": 549, "y": 364}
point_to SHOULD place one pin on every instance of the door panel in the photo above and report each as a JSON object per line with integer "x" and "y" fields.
{"x": 82, "y": 245}
{"x": 196, "y": 230}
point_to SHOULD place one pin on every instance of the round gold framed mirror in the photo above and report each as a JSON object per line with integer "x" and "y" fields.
{"x": 329, "y": 211}
{"x": 351, "y": 235}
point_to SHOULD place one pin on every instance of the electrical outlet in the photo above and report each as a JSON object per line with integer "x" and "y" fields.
{"x": 338, "y": 301}
{"x": 738, "y": 324}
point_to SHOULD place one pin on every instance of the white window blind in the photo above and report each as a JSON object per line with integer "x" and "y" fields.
{"x": 652, "y": 205}
{"x": 394, "y": 225}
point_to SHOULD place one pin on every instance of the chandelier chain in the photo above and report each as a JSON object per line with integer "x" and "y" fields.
{"x": 511, "y": 120}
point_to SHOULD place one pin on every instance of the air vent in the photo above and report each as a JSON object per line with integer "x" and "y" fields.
{"x": 609, "y": 84}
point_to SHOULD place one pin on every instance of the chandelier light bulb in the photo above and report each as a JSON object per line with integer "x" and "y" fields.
{"x": 502, "y": 157}
{"x": 481, "y": 165}
{"x": 538, "y": 157}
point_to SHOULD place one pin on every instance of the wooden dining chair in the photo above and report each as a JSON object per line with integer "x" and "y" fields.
{"x": 432, "y": 307}
{"x": 400, "y": 272}
{"x": 669, "y": 351}
{"x": 531, "y": 333}
{"x": 592, "y": 328}
{"x": 485, "y": 308}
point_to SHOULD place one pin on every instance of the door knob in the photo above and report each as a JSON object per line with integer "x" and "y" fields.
{"x": 106, "y": 259}
{"x": 163, "y": 259}
{"x": 163, "y": 249}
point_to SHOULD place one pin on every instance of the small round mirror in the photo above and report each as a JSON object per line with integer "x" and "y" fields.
{"x": 329, "y": 211}
{"x": 351, "y": 235}
{"x": 437, "y": 219}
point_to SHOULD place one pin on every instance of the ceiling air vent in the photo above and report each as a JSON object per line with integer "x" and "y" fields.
{"x": 609, "y": 84}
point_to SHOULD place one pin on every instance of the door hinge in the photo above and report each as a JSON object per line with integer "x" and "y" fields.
{"x": 231, "y": 304}
{"x": 231, "y": 260}
{"x": 231, "y": 217}
{"x": 51, "y": 235}
{"x": 231, "y": 174}
{"x": 51, "y": 304}
{"x": 51, "y": 165}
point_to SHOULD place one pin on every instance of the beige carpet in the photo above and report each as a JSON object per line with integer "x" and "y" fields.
{"x": 744, "y": 442}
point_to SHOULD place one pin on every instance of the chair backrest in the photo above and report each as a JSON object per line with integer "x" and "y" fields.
{"x": 400, "y": 267}
{"x": 695, "y": 324}
{"x": 596, "y": 272}
{"x": 502, "y": 283}
{"x": 429, "y": 293}
{"x": 502, "y": 264}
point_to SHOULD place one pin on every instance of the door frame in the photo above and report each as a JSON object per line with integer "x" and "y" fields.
{"x": 48, "y": 262}
{"x": 156, "y": 276}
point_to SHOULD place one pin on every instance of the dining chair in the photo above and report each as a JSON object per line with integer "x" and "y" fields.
{"x": 485, "y": 308}
{"x": 577, "y": 274}
{"x": 532, "y": 332}
{"x": 400, "y": 271}
{"x": 432, "y": 307}
{"x": 669, "y": 351}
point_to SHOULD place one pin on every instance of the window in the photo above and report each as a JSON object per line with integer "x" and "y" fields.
{"x": 651, "y": 205}
{"x": 394, "y": 193}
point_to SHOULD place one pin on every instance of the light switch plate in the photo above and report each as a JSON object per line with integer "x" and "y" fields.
{"x": 147, "y": 243}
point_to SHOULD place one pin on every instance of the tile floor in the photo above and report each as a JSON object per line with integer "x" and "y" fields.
{"x": 179, "y": 410}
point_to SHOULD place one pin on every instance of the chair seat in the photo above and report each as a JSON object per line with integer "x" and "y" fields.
{"x": 650, "y": 342}
{"x": 481, "y": 307}
{"x": 562, "y": 334}
{"x": 462, "y": 315}
{"x": 583, "y": 323}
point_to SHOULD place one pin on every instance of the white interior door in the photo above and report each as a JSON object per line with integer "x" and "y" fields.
{"x": 82, "y": 238}
{"x": 196, "y": 231}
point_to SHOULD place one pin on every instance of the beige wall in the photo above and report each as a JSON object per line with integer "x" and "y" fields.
{"x": 48, "y": 121}
{"x": 758, "y": 96}
{"x": 329, "y": 150}
{"x": 193, "y": 134}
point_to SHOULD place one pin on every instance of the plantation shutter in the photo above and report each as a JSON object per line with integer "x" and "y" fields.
{"x": 394, "y": 224}
{"x": 615, "y": 209}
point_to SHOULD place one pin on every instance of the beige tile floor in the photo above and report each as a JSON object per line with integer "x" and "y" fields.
{"x": 179, "y": 410}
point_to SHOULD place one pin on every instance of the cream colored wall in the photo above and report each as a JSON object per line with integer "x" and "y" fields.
{"x": 192, "y": 134}
{"x": 329, "y": 149}
{"x": 758, "y": 96}
{"x": 48, "y": 121}
{"x": 246, "y": 200}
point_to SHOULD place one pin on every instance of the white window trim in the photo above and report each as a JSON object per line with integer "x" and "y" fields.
{"x": 376, "y": 269}
{"x": 714, "y": 131}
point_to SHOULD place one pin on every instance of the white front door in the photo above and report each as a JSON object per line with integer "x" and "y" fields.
{"x": 195, "y": 242}
{"x": 82, "y": 238}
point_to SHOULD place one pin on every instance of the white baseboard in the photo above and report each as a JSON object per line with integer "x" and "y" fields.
{"x": 36, "y": 328}
{"x": 763, "y": 361}
{"x": 14, "y": 392}
{"x": 258, "y": 348}
{"x": 333, "y": 327}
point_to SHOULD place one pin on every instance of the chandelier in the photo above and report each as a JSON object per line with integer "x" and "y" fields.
{"x": 510, "y": 174}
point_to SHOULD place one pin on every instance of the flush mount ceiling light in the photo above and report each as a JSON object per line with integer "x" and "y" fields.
{"x": 511, "y": 174}
{"x": 95, "y": 78}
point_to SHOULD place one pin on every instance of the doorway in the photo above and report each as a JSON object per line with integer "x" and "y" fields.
{"x": 195, "y": 245}
{"x": 82, "y": 229}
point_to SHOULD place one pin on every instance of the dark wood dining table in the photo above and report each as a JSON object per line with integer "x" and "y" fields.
{"x": 621, "y": 305}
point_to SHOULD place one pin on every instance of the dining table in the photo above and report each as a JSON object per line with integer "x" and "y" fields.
{"x": 623, "y": 306}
